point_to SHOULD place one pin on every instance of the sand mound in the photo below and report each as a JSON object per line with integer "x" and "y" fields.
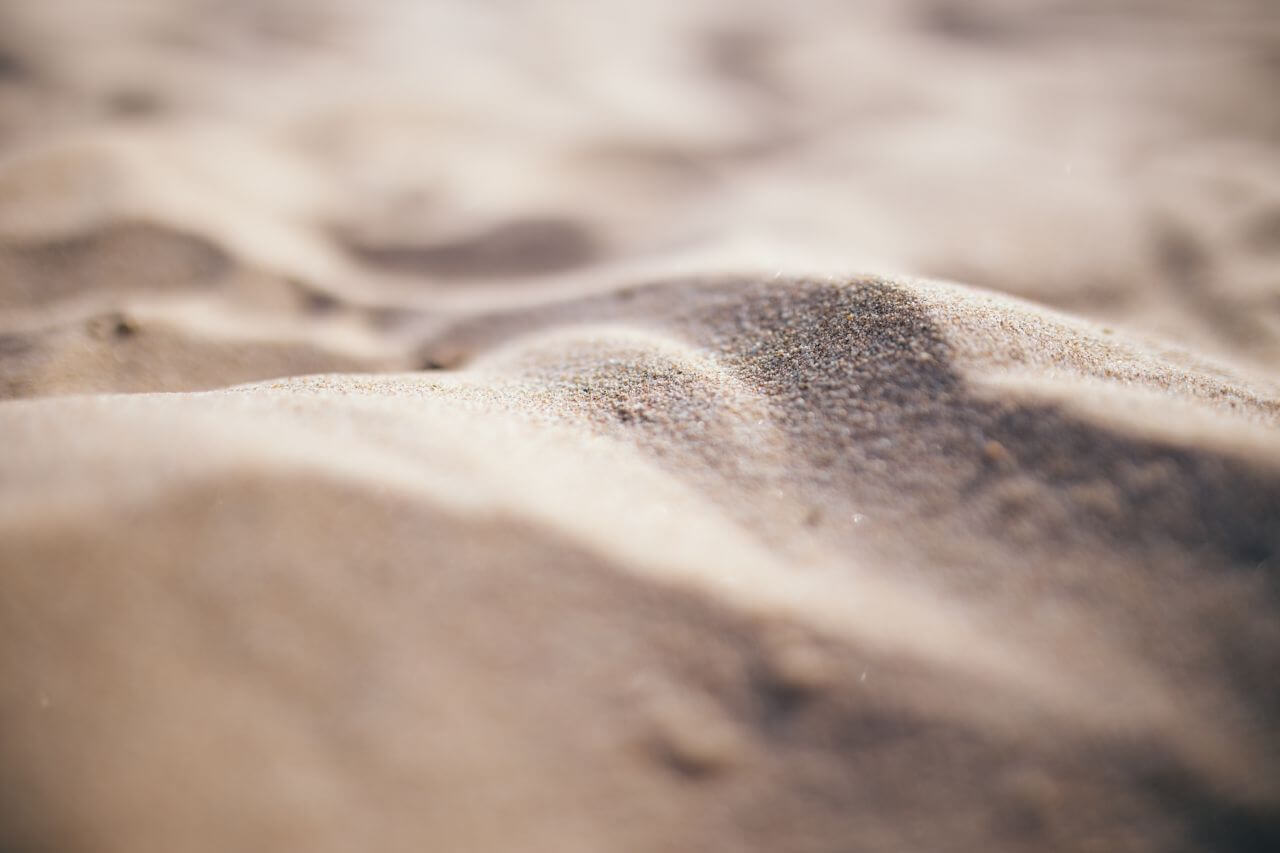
{"x": 437, "y": 426}
{"x": 760, "y": 530}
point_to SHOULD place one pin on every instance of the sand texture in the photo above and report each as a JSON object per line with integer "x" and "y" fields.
{"x": 674, "y": 426}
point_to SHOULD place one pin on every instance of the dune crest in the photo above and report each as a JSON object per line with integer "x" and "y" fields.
{"x": 813, "y": 541}
{"x": 691, "y": 425}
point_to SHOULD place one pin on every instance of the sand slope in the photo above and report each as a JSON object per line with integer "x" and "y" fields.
{"x": 696, "y": 564}
{"x": 431, "y": 427}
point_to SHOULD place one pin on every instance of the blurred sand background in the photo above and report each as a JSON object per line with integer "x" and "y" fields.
{"x": 594, "y": 455}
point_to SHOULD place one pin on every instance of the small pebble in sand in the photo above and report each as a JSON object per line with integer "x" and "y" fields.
{"x": 690, "y": 731}
{"x": 995, "y": 453}
{"x": 796, "y": 663}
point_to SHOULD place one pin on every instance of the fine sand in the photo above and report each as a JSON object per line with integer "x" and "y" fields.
{"x": 551, "y": 427}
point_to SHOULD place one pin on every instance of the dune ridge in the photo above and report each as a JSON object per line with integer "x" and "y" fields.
{"x": 682, "y": 426}
{"x": 799, "y": 467}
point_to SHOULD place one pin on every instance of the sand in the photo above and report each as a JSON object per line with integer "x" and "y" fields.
{"x": 672, "y": 426}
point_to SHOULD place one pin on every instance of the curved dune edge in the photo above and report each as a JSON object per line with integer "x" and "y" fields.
{"x": 450, "y": 426}
{"x": 684, "y": 564}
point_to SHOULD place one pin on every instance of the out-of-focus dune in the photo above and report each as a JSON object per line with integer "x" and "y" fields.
{"x": 545, "y": 426}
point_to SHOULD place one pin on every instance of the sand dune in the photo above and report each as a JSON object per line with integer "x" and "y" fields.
{"x": 429, "y": 427}
{"x": 760, "y": 532}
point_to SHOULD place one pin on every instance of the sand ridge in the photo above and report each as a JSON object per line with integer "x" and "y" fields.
{"x": 686, "y": 426}
{"x": 844, "y": 365}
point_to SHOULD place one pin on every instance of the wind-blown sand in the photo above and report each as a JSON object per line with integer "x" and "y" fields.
{"x": 434, "y": 428}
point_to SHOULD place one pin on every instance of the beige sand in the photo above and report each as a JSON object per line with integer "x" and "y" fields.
{"x": 436, "y": 427}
